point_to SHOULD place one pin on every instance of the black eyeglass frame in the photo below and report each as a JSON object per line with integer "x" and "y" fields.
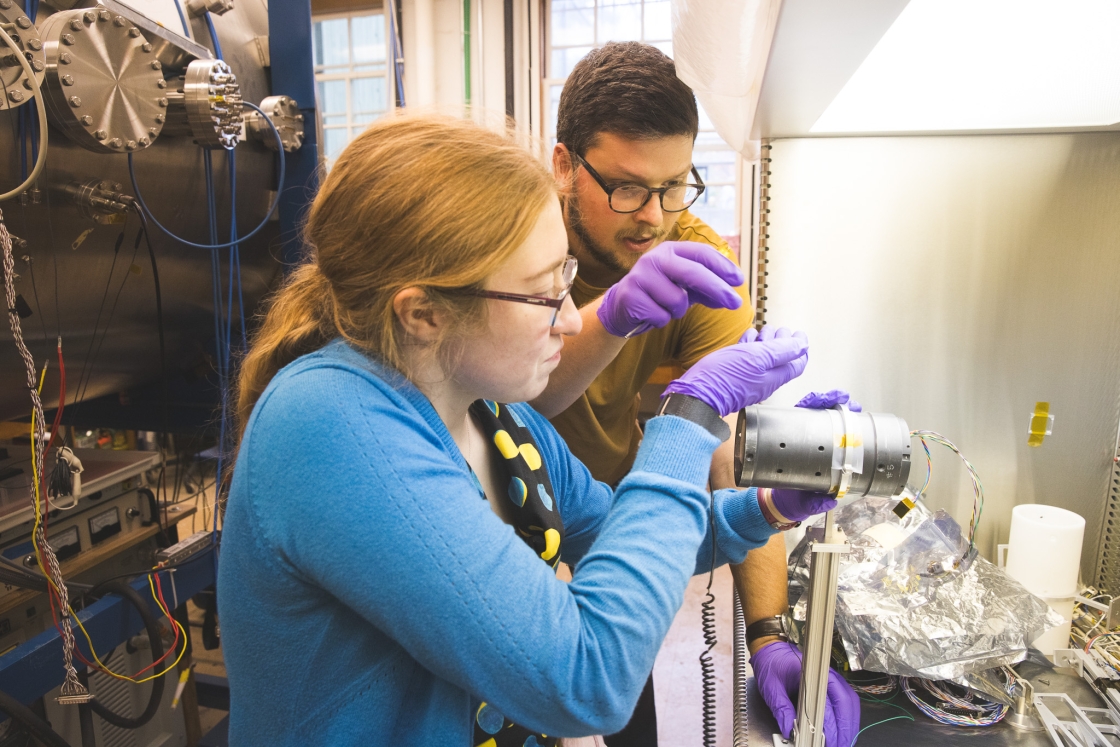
{"x": 650, "y": 191}
{"x": 554, "y": 303}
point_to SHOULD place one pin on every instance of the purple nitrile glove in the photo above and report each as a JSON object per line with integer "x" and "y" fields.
{"x": 664, "y": 282}
{"x": 777, "y": 670}
{"x": 797, "y": 505}
{"x": 828, "y": 400}
{"x": 744, "y": 374}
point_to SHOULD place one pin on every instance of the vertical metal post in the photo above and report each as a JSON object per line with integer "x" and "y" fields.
{"x": 824, "y": 569}
{"x": 289, "y": 39}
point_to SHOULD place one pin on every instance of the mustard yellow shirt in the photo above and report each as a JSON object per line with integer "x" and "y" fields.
{"x": 601, "y": 427}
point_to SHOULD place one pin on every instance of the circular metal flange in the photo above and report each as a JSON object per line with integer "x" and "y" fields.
{"x": 17, "y": 88}
{"x": 213, "y": 100}
{"x": 104, "y": 89}
{"x": 285, "y": 115}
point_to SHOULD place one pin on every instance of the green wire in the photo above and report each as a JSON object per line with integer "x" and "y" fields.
{"x": 908, "y": 717}
{"x": 886, "y": 702}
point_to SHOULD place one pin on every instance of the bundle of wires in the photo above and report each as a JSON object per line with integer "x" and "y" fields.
{"x": 973, "y": 476}
{"x": 1107, "y": 647}
{"x": 949, "y": 703}
{"x": 877, "y": 684}
{"x": 71, "y": 686}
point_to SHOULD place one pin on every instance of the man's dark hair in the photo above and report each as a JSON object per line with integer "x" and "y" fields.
{"x": 628, "y": 89}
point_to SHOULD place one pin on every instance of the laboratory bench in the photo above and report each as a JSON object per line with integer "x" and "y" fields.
{"x": 756, "y": 726}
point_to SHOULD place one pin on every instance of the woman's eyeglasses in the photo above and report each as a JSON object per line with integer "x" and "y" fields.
{"x": 567, "y": 277}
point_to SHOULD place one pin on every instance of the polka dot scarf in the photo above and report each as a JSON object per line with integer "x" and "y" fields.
{"x": 536, "y": 520}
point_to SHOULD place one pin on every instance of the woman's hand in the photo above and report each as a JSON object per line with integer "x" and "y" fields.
{"x": 744, "y": 374}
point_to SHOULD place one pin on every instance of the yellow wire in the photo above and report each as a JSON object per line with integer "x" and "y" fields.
{"x": 73, "y": 614}
{"x": 37, "y": 496}
{"x": 111, "y": 673}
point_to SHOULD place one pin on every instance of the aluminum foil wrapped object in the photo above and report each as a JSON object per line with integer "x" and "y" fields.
{"x": 908, "y": 605}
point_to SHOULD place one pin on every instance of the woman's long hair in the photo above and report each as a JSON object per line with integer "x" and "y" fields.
{"x": 414, "y": 201}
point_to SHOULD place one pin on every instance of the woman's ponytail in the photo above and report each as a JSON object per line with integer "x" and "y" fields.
{"x": 299, "y": 321}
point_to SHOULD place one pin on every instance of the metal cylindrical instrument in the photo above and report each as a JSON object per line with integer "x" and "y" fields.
{"x": 803, "y": 449}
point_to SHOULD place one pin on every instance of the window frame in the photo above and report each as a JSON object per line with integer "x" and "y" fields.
{"x": 348, "y": 73}
{"x": 548, "y": 121}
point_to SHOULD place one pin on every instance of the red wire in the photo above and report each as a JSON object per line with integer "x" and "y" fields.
{"x": 61, "y": 400}
{"x": 58, "y": 627}
{"x": 175, "y": 643}
{"x": 46, "y": 451}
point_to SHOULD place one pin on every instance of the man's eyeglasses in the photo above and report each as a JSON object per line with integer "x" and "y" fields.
{"x": 567, "y": 277}
{"x": 630, "y": 198}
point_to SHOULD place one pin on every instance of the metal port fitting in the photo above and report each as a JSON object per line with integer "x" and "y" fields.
{"x": 107, "y": 72}
{"x": 207, "y": 105}
{"x": 285, "y": 115}
{"x": 196, "y": 8}
{"x": 30, "y": 45}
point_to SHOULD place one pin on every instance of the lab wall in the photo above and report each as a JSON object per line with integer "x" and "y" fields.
{"x": 955, "y": 281}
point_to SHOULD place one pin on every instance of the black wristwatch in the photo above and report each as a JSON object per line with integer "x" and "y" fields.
{"x": 766, "y": 627}
{"x": 701, "y": 413}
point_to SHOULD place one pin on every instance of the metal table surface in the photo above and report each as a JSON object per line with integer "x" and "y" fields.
{"x": 924, "y": 732}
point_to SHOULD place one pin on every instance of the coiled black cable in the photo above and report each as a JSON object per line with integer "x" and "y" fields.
{"x": 708, "y": 623}
{"x": 26, "y": 579}
{"x": 39, "y": 728}
{"x": 151, "y": 625}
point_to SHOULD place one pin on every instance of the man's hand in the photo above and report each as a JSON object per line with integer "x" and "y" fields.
{"x": 777, "y": 669}
{"x": 664, "y": 283}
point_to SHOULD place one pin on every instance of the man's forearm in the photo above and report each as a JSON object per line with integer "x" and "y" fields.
{"x": 584, "y": 357}
{"x": 762, "y": 585}
{"x": 761, "y": 577}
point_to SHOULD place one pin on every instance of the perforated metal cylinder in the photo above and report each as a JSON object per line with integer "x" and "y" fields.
{"x": 802, "y": 449}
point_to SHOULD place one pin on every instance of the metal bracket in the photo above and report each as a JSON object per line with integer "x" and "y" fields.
{"x": 1083, "y": 731}
{"x": 1095, "y": 672}
{"x": 1110, "y": 611}
{"x": 1085, "y": 664}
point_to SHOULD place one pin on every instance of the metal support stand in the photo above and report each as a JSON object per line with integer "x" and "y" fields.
{"x": 1089, "y": 727}
{"x": 817, "y": 639}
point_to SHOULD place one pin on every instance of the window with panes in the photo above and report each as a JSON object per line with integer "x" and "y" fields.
{"x": 578, "y": 26}
{"x": 352, "y": 83}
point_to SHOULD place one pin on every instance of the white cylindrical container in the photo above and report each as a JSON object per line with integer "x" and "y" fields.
{"x": 1044, "y": 555}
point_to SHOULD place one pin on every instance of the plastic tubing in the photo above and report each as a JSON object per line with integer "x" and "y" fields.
{"x": 40, "y": 105}
{"x": 181, "y": 240}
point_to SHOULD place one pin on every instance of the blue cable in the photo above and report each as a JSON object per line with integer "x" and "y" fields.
{"x": 32, "y": 11}
{"x": 213, "y": 35}
{"x": 395, "y": 50}
{"x": 183, "y": 18}
{"x": 33, "y": 127}
{"x": 221, "y": 347}
{"x": 246, "y": 237}
{"x": 21, "y": 118}
{"x": 231, "y": 155}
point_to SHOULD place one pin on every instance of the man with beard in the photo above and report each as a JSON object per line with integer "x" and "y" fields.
{"x": 657, "y": 286}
